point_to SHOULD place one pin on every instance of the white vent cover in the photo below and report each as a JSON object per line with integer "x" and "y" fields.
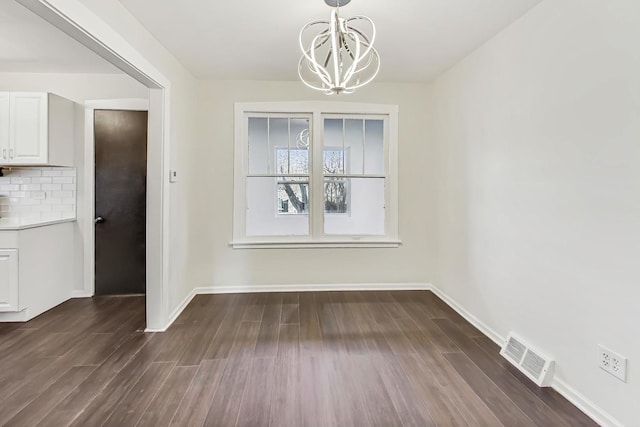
{"x": 531, "y": 362}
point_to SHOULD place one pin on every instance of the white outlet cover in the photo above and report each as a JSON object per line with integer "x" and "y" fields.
{"x": 38, "y": 195}
{"x": 613, "y": 363}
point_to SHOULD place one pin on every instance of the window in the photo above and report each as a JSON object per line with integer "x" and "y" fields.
{"x": 315, "y": 174}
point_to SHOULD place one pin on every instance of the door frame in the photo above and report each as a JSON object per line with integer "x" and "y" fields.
{"x": 80, "y": 23}
{"x": 89, "y": 208}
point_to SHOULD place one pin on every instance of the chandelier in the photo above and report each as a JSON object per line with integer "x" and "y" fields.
{"x": 338, "y": 55}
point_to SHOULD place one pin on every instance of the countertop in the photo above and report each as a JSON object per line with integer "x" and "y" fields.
{"x": 7, "y": 224}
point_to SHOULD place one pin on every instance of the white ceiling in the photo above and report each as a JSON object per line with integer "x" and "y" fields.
{"x": 28, "y": 44}
{"x": 258, "y": 39}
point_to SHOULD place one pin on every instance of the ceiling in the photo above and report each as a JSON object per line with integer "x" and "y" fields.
{"x": 28, "y": 44}
{"x": 258, "y": 39}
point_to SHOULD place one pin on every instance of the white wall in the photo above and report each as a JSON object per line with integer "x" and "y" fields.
{"x": 538, "y": 139}
{"x": 77, "y": 87}
{"x": 214, "y": 263}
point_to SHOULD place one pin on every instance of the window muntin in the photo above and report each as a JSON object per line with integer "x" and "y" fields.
{"x": 351, "y": 193}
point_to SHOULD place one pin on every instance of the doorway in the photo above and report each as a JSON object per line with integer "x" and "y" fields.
{"x": 72, "y": 18}
{"x": 120, "y": 151}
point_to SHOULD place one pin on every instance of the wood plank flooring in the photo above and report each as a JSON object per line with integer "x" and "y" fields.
{"x": 278, "y": 359}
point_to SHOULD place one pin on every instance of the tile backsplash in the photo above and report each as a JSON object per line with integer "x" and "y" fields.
{"x": 32, "y": 194}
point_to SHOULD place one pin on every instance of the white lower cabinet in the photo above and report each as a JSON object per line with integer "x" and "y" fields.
{"x": 36, "y": 270}
{"x": 9, "y": 280}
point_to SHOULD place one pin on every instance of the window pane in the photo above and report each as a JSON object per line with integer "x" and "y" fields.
{"x": 266, "y": 200}
{"x": 364, "y": 213}
{"x": 300, "y": 133}
{"x": 300, "y": 143}
{"x": 269, "y": 142}
{"x": 333, "y": 146}
{"x": 333, "y": 161}
{"x": 258, "y": 145}
{"x": 336, "y": 195}
{"x": 279, "y": 142}
{"x": 293, "y": 195}
{"x": 374, "y": 147}
{"x": 290, "y": 139}
{"x": 353, "y": 144}
{"x": 297, "y": 159}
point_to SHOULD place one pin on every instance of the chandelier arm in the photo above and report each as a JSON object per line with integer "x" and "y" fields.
{"x": 367, "y": 20}
{"x": 349, "y": 50}
{"x": 306, "y": 27}
{"x": 307, "y": 83}
{"x": 362, "y": 35}
{"x": 324, "y": 40}
{"x": 354, "y": 65}
{"x": 367, "y": 55}
{"x": 334, "y": 45}
{"x": 315, "y": 66}
{"x": 373, "y": 32}
{"x": 373, "y": 76}
{"x": 363, "y": 67}
{"x": 321, "y": 73}
{"x": 327, "y": 59}
{"x": 310, "y": 53}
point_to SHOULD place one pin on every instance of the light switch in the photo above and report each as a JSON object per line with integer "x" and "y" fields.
{"x": 173, "y": 176}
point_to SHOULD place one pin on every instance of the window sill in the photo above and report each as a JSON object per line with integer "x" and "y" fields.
{"x": 316, "y": 245}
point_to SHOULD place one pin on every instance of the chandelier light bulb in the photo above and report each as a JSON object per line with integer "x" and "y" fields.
{"x": 338, "y": 55}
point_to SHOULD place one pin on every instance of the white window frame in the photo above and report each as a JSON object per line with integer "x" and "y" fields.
{"x": 317, "y": 110}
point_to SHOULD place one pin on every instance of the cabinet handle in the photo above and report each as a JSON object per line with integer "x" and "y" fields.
{"x": 11, "y": 153}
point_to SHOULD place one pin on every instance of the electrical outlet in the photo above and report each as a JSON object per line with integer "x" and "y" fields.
{"x": 619, "y": 367}
{"x": 613, "y": 363}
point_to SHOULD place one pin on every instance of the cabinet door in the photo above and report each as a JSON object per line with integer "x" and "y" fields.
{"x": 4, "y": 127}
{"x": 28, "y": 139}
{"x": 9, "y": 280}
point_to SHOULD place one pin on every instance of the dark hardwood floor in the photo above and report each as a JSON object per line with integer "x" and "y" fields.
{"x": 287, "y": 359}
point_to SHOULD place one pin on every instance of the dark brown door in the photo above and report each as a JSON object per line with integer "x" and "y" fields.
{"x": 120, "y": 193}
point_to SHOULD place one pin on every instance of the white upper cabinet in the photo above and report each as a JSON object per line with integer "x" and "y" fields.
{"x": 4, "y": 126}
{"x": 28, "y": 142}
{"x": 36, "y": 128}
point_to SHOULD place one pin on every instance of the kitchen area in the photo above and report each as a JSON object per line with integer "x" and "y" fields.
{"x": 46, "y": 162}
{"x": 38, "y": 200}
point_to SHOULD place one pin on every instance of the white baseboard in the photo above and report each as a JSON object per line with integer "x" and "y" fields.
{"x": 176, "y": 312}
{"x": 287, "y": 288}
{"x": 314, "y": 288}
{"x": 19, "y": 316}
{"x": 482, "y": 327}
{"x": 592, "y": 410}
{"x": 81, "y": 294}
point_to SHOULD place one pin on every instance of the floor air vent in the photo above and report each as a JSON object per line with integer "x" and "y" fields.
{"x": 532, "y": 363}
